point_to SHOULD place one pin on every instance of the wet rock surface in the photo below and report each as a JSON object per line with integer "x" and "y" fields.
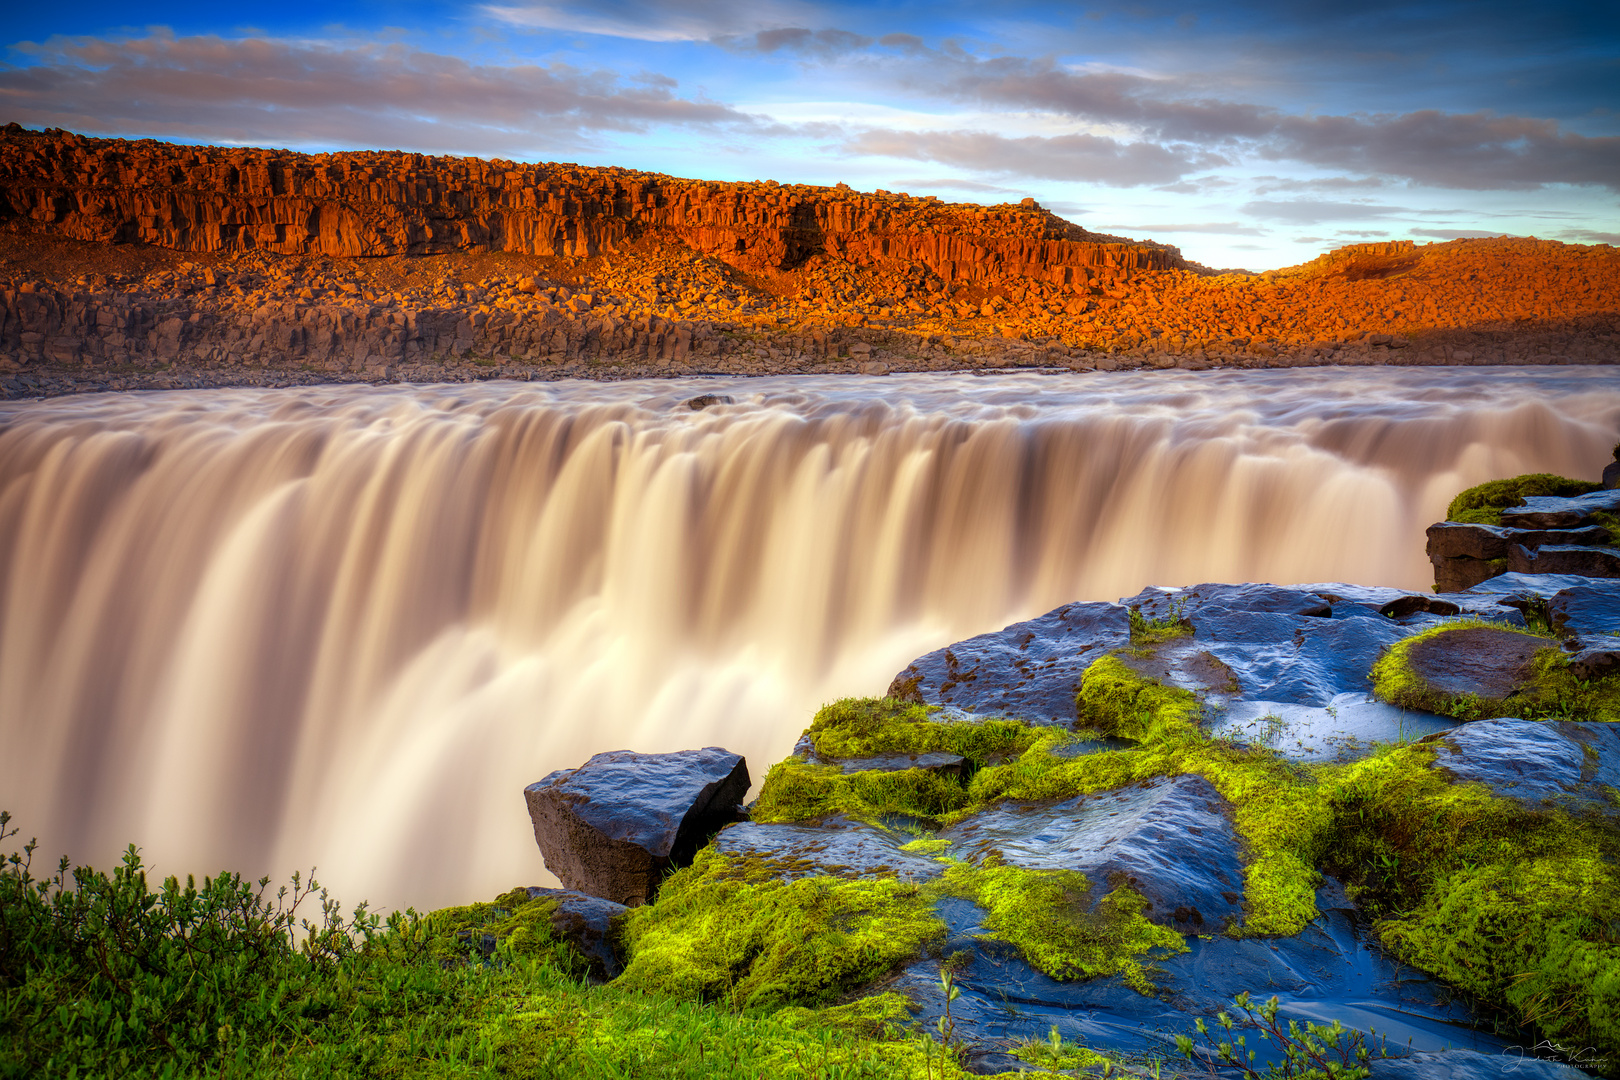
{"x": 1331, "y": 970}
{"x": 1283, "y": 667}
{"x": 1030, "y": 671}
{"x": 838, "y": 847}
{"x": 613, "y": 826}
{"x": 1537, "y": 762}
{"x": 1170, "y": 839}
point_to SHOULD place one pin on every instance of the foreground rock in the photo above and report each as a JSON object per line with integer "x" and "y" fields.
{"x": 614, "y": 826}
{"x": 1102, "y": 822}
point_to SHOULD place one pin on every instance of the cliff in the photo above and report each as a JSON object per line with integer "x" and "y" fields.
{"x": 367, "y": 204}
{"x": 146, "y": 264}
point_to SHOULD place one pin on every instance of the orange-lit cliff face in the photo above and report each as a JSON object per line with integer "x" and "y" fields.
{"x": 123, "y": 257}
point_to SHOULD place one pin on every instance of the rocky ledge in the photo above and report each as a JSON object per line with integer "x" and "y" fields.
{"x": 1536, "y": 524}
{"x": 1066, "y": 841}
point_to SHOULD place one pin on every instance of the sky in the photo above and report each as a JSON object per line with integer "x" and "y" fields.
{"x": 1250, "y": 133}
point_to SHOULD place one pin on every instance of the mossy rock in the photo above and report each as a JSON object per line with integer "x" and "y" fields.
{"x": 1476, "y": 671}
{"x": 1483, "y": 504}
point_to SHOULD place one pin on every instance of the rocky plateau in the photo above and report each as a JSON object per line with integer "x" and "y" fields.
{"x": 139, "y": 264}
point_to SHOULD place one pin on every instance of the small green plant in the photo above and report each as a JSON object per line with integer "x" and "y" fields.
{"x": 1146, "y": 633}
{"x": 1309, "y": 1052}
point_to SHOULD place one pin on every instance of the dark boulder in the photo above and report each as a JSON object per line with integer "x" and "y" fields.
{"x": 615, "y": 825}
{"x": 587, "y": 922}
{"x": 1585, "y": 607}
{"x": 1598, "y": 562}
{"x": 1450, "y": 539}
{"x": 1595, "y": 657}
{"x": 703, "y": 401}
{"x": 1029, "y": 671}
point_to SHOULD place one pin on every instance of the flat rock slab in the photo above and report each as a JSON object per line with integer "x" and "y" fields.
{"x": 838, "y": 847}
{"x": 1215, "y": 598}
{"x": 1029, "y": 671}
{"x": 1342, "y": 730}
{"x": 1597, "y": 562}
{"x": 587, "y": 921}
{"x": 1537, "y": 762}
{"x": 612, "y": 827}
{"x": 1479, "y": 660}
{"x": 1590, "y": 607}
{"x": 1170, "y": 839}
{"x": 1552, "y": 512}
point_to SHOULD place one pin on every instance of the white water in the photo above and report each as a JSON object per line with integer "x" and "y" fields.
{"x": 344, "y": 626}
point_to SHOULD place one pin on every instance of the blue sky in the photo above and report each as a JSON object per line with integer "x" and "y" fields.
{"x": 1251, "y": 134}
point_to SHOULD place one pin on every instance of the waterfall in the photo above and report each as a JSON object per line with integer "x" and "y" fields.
{"x": 343, "y": 626}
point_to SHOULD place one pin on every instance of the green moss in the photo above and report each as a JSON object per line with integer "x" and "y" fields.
{"x": 1117, "y": 701}
{"x": 1554, "y": 692}
{"x": 1551, "y": 691}
{"x": 1047, "y": 916}
{"x": 513, "y": 922}
{"x": 1515, "y": 907}
{"x": 875, "y": 1015}
{"x": 1484, "y": 503}
{"x": 796, "y": 790}
{"x": 727, "y": 929}
{"x": 865, "y": 727}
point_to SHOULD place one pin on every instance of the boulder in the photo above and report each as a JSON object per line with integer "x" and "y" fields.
{"x": 1595, "y": 657}
{"x": 614, "y": 826}
{"x": 1599, "y": 562}
{"x": 1585, "y": 607}
{"x": 586, "y": 922}
{"x": 1451, "y": 539}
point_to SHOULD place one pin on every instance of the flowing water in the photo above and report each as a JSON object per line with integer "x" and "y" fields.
{"x": 344, "y": 626}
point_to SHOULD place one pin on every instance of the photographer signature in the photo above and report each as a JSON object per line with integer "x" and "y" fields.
{"x": 1586, "y": 1058}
